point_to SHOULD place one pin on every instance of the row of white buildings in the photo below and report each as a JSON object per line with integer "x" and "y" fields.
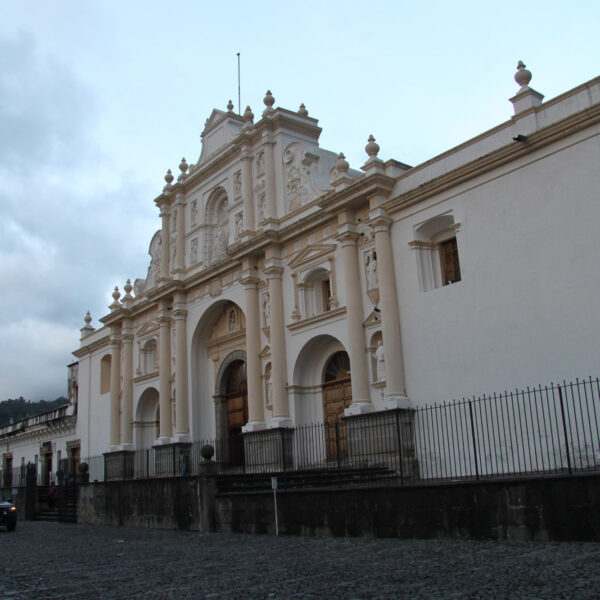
{"x": 286, "y": 288}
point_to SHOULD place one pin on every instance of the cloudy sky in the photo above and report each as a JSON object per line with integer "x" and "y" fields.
{"x": 98, "y": 99}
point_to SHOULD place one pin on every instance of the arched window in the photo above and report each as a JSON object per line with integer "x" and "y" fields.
{"x": 149, "y": 356}
{"x": 437, "y": 252}
{"x": 317, "y": 293}
{"x": 105, "y": 374}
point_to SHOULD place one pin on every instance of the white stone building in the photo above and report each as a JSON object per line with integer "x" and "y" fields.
{"x": 285, "y": 288}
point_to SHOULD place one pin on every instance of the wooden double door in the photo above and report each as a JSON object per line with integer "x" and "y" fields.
{"x": 337, "y": 396}
{"x": 236, "y": 390}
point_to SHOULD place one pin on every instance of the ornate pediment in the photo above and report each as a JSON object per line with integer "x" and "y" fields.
{"x": 373, "y": 320}
{"x": 313, "y": 253}
{"x": 220, "y": 129}
{"x": 216, "y": 116}
{"x": 147, "y": 329}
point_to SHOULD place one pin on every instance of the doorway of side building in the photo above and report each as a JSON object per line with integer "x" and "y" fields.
{"x": 236, "y": 395}
{"x": 337, "y": 396}
{"x": 46, "y": 459}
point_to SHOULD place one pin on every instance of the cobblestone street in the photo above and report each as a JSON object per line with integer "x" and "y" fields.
{"x": 50, "y": 561}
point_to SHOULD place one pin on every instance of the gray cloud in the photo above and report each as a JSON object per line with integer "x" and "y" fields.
{"x": 70, "y": 228}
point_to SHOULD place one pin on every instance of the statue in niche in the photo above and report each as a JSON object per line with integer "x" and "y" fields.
{"x": 269, "y": 393}
{"x": 232, "y": 320}
{"x": 237, "y": 184}
{"x": 371, "y": 266}
{"x": 220, "y": 247}
{"x": 194, "y": 251}
{"x": 262, "y": 200}
{"x": 380, "y": 360}
{"x": 260, "y": 163}
{"x": 266, "y": 306}
{"x": 239, "y": 224}
{"x": 194, "y": 212}
{"x": 173, "y": 252}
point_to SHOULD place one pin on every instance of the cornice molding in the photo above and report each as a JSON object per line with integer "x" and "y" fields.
{"x": 506, "y": 154}
{"x": 324, "y": 316}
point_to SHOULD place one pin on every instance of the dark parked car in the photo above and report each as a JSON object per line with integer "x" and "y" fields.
{"x": 8, "y": 514}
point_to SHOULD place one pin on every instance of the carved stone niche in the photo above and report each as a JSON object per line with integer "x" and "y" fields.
{"x": 314, "y": 277}
{"x": 299, "y": 187}
{"x": 370, "y": 264}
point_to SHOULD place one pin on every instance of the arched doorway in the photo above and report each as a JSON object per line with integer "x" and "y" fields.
{"x": 236, "y": 397}
{"x": 337, "y": 396}
{"x": 147, "y": 419}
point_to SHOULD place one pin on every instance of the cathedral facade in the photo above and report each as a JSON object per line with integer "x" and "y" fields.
{"x": 286, "y": 288}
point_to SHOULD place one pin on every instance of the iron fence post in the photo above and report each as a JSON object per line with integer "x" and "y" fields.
{"x": 474, "y": 440}
{"x": 564, "y": 422}
{"x": 337, "y": 442}
{"x": 400, "y": 447}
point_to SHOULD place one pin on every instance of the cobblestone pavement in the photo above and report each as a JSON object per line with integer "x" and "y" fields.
{"x": 51, "y": 560}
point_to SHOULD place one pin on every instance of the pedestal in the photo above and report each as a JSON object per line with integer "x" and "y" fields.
{"x": 383, "y": 439}
{"x": 171, "y": 460}
{"x": 269, "y": 450}
{"x": 118, "y": 465}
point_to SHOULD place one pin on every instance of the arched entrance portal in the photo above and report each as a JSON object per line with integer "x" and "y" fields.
{"x": 337, "y": 396}
{"x": 147, "y": 419}
{"x": 236, "y": 396}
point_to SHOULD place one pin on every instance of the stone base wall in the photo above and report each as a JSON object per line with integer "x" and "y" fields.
{"x": 557, "y": 508}
{"x": 185, "y": 503}
{"x": 554, "y": 508}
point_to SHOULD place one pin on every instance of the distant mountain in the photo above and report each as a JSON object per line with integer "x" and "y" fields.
{"x": 12, "y": 411}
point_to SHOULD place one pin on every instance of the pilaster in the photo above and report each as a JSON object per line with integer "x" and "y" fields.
{"x": 164, "y": 392}
{"x": 182, "y": 433}
{"x": 247, "y": 191}
{"x": 180, "y": 254}
{"x": 270, "y": 187}
{"x": 164, "y": 243}
{"x": 115, "y": 385}
{"x": 395, "y": 393}
{"x": 256, "y": 419}
{"x": 274, "y": 271}
{"x": 361, "y": 402}
{"x": 127, "y": 397}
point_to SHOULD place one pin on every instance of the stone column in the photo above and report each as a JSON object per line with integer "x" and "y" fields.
{"x": 164, "y": 243}
{"x": 247, "y": 189}
{"x": 164, "y": 367}
{"x": 361, "y": 401}
{"x": 115, "y": 386}
{"x": 127, "y": 398}
{"x": 395, "y": 392}
{"x": 180, "y": 216}
{"x": 270, "y": 187}
{"x": 281, "y": 411}
{"x": 256, "y": 419}
{"x": 182, "y": 427}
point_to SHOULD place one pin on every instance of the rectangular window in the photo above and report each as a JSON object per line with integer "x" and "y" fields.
{"x": 449, "y": 261}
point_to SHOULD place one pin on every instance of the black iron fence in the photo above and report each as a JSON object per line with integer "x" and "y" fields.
{"x": 551, "y": 429}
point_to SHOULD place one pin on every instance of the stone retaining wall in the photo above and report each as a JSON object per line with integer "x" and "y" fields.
{"x": 553, "y": 508}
